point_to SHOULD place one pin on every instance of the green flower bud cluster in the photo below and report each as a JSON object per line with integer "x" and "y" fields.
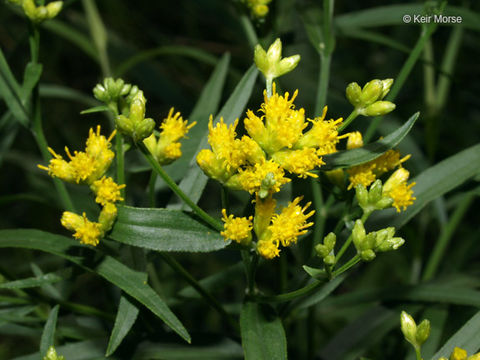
{"x": 38, "y": 14}
{"x": 368, "y": 245}
{"x": 116, "y": 94}
{"x": 369, "y": 100}
{"x": 135, "y": 124}
{"x": 271, "y": 64}
{"x": 326, "y": 250}
{"x": 374, "y": 198}
{"x": 52, "y": 354}
{"x": 415, "y": 335}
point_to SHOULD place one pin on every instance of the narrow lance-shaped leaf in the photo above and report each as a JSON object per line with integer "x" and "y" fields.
{"x": 263, "y": 337}
{"x": 126, "y": 315}
{"x": 347, "y": 158}
{"x": 130, "y": 281}
{"x": 164, "y": 230}
{"x": 48, "y": 335}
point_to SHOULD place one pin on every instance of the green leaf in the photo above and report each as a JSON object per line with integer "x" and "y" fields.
{"x": 466, "y": 338}
{"x": 433, "y": 183}
{"x": 130, "y": 281}
{"x": 347, "y": 158}
{"x": 315, "y": 273}
{"x": 126, "y": 315}
{"x": 262, "y": 333}
{"x": 33, "y": 281}
{"x": 164, "y": 230}
{"x": 10, "y": 92}
{"x": 95, "y": 109}
{"x": 206, "y": 105}
{"x": 48, "y": 335}
{"x": 64, "y": 92}
{"x": 195, "y": 180}
{"x": 30, "y": 79}
{"x": 322, "y": 293}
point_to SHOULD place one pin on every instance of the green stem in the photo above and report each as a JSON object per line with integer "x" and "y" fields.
{"x": 37, "y": 128}
{"x": 120, "y": 162}
{"x": 269, "y": 86}
{"x": 249, "y": 30}
{"x": 349, "y": 240}
{"x": 446, "y": 235}
{"x": 151, "y": 189}
{"x": 250, "y": 262}
{"x": 225, "y": 201}
{"x": 418, "y": 353}
{"x": 159, "y": 170}
{"x": 353, "y": 115}
{"x": 404, "y": 73}
{"x": 323, "y": 80}
{"x": 179, "y": 269}
{"x": 350, "y": 263}
{"x": 292, "y": 295}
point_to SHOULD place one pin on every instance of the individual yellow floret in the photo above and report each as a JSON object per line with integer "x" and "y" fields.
{"x": 107, "y": 191}
{"x": 268, "y": 249}
{"x": 292, "y": 222}
{"x": 396, "y": 187}
{"x": 238, "y": 229}
{"x": 299, "y": 162}
{"x": 86, "y": 231}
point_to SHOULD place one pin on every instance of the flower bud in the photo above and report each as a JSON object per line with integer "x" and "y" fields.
{"x": 274, "y": 52}
{"x": 371, "y": 92}
{"x": 271, "y": 64}
{"x": 101, "y": 93}
{"x": 71, "y": 221}
{"x": 379, "y": 108}
{"x": 409, "y": 328}
{"x": 260, "y": 11}
{"x": 54, "y": 8}
{"x": 361, "y": 194}
{"x": 390, "y": 244}
{"x": 387, "y": 84}
{"x": 325, "y": 250}
{"x": 329, "y": 259}
{"x": 423, "y": 332}
{"x": 375, "y": 192}
{"x": 124, "y": 124}
{"x": 399, "y": 176}
{"x": 143, "y": 129}
{"x": 52, "y": 354}
{"x": 287, "y": 64}
{"x": 107, "y": 216}
{"x": 367, "y": 255}
{"x": 358, "y": 234}
{"x": 384, "y": 203}
{"x": 354, "y": 140}
{"x": 354, "y": 92}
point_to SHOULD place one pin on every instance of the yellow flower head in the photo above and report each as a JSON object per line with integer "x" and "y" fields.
{"x": 287, "y": 226}
{"x": 355, "y": 140}
{"x": 396, "y": 187}
{"x": 166, "y": 147}
{"x": 238, "y": 229}
{"x": 174, "y": 127}
{"x": 299, "y": 162}
{"x": 322, "y": 135}
{"x": 266, "y": 175}
{"x": 268, "y": 249}
{"x": 107, "y": 190}
{"x": 388, "y": 161}
{"x": 84, "y": 166}
{"x": 283, "y": 124}
{"x": 86, "y": 231}
{"x": 361, "y": 174}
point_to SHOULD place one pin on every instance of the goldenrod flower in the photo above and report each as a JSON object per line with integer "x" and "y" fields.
{"x": 287, "y": 226}
{"x": 166, "y": 148}
{"x": 299, "y": 162}
{"x": 107, "y": 216}
{"x": 107, "y": 191}
{"x": 461, "y": 354}
{"x": 283, "y": 124}
{"x": 83, "y": 167}
{"x": 361, "y": 174}
{"x": 266, "y": 175}
{"x": 86, "y": 231}
{"x": 323, "y": 135}
{"x": 396, "y": 187}
{"x": 238, "y": 229}
{"x": 268, "y": 249}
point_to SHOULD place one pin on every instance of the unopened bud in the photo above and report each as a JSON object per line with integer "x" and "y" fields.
{"x": 354, "y": 140}
{"x": 367, "y": 255}
{"x": 423, "y": 332}
{"x": 354, "y": 92}
{"x": 361, "y": 194}
{"x": 379, "y": 108}
{"x": 358, "y": 234}
{"x": 287, "y": 64}
{"x": 107, "y": 216}
{"x": 371, "y": 92}
{"x": 52, "y": 354}
{"x": 271, "y": 64}
{"x": 375, "y": 192}
{"x": 54, "y": 8}
{"x": 143, "y": 129}
{"x": 387, "y": 84}
{"x": 409, "y": 328}
{"x": 124, "y": 124}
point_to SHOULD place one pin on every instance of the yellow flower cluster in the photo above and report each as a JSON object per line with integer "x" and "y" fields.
{"x": 271, "y": 229}
{"x": 166, "y": 147}
{"x": 276, "y": 145}
{"x": 88, "y": 167}
{"x": 461, "y": 354}
{"x": 276, "y": 142}
{"x": 395, "y": 187}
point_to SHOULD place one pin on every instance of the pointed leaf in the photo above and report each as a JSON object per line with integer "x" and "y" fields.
{"x": 48, "y": 335}
{"x": 262, "y": 333}
{"x": 126, "y": 315}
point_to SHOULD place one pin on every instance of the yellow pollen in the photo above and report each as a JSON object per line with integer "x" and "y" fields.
{"x": 237, "y": 229}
